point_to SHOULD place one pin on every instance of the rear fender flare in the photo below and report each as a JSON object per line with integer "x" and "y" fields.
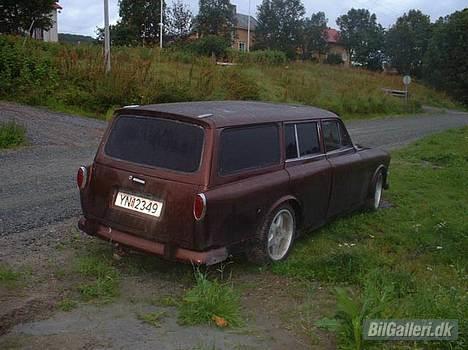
{"x": 296, "y": 205}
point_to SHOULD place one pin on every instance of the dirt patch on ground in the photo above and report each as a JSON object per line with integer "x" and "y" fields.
{"x": 277, "y": 310}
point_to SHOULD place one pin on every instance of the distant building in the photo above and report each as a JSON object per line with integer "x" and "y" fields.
{"x": 51, "y": 34}
{"x": 335, "y": 45}
{"x": 241, "y": 32}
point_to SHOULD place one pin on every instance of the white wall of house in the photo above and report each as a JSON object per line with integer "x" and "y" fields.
{"x": 52, "y": 34}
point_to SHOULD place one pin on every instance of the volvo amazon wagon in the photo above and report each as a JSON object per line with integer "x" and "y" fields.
{"x": 201, "y": 181}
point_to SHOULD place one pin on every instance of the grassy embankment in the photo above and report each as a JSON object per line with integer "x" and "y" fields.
{"x": 71, "y": 79}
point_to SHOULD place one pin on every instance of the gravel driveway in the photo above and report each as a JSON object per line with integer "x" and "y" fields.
{"x": 38, "y": 188}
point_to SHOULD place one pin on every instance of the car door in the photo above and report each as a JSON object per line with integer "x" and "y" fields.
{"x": 309, "y": 170}
{"x": 347, "y": 188}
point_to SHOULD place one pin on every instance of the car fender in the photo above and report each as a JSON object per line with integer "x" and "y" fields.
{"x": 295, "y": 204}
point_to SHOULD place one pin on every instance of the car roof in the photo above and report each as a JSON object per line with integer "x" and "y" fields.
{"x": 222, "y": 114}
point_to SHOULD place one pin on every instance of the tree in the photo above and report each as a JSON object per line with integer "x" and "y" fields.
{"x": 140, "y": 20}
{"x": 180, "y": 20}
{"x": 216, "y": 17}
{"x": 18, "y": 16}
{"x": 445, "y": 64}
{"x": 314, "y": 34}
{"x": 407, "y": 40}
{"x": 363, "y": 37}
{"x": 280, "y": 25}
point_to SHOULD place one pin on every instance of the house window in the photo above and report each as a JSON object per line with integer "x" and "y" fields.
{"x": 242, "y": 46}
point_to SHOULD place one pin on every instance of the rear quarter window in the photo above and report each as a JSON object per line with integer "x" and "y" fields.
{"x": 156, "y": 142}
{"x": 248, "y": 148}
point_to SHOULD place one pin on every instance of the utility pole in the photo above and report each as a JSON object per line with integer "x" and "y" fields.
{"x": 162, "y": 26}
{"x": 107, "y": 54}
{"x": 248, "y": 31}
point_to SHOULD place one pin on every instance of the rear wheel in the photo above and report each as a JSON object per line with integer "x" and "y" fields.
{"x": 275, "y": 237}
{"x": 375, "y": 198}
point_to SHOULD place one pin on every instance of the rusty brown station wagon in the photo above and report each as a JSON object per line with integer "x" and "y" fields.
{"x": 201, "y": 181}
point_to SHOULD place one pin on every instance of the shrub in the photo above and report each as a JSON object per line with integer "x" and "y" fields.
{"x": 264, "y": 57}
{"x": 334, "y": 59}
{"x": 12, "y": 135}
{"x": 210, "y": 45}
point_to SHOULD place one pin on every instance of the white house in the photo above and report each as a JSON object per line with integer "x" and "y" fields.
{"x": 51, "y": 34}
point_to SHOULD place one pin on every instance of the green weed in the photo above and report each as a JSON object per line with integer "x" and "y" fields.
{"x": 153, "y": 318}
{"x": 208, "y": 300}
{"x": 8, "y": 277}
{"x": 67, "y": 304}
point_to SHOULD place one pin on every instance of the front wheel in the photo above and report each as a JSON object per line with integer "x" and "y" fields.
{"x": 374, "y": 200}
{"x": 275, "y": 237}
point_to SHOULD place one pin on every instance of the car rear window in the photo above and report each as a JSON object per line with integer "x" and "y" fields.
{"x": 156, "y": 142}
{"x": 249, "y": 148}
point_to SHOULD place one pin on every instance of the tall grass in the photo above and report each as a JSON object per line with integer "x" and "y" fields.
{"x": 73, "y": 77}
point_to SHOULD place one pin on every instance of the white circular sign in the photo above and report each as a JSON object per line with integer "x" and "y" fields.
{"x": 406, "y": 80}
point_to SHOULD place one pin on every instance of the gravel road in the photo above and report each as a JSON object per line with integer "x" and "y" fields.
{"x": 37, "y": 186}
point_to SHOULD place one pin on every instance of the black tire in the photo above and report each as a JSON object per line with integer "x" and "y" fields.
{"x": 259, "y": 253}
{"x": 372, "y": 202}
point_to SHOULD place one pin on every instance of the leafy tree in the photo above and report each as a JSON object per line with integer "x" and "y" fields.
{"x": 445, "y": 64}
{"x": 280, "y": 25}
{"x": 407, "y": 40}
{"x": 180, "y": 20}
{"x": 16, "y": 16}
{"x": 216, "y": 17}
{"x": 314, "y": 34}
{"x": 362, "y": 36}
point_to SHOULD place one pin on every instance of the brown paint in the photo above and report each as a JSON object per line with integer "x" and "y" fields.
{"x": 319, "y": 188}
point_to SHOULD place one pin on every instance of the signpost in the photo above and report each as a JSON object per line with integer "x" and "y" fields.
{"x": 406, "y": 82}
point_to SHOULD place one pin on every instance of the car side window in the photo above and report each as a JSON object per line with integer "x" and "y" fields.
{"x": 246, "y": 148}
{"x": 301, "y": 140}
{"x": 345, "y": 139}
{"x": 308, "y": 139}
{"x": 290, "y": 141}
{"x": 331, "y": 135}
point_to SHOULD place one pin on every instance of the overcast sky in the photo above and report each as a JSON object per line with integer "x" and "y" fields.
{"x": 83, "y": 16}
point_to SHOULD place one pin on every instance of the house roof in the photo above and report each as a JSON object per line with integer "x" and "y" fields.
{"x": 332, "y": 35}
{"x": 57, "y": 6}
{"x": 242, "y": 21}
{"x": 232, "y": 113}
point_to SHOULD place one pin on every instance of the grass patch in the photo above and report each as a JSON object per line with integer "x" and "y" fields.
{"x": 12, "y": 134}
{"x": 210, "y": 302}
{"x": 8, "y": 277}
{"x": 102, "y": 278}
{"x": 152, "y": 318}
{"x": 408, "y": 261}
{"x": 67, "y": 304}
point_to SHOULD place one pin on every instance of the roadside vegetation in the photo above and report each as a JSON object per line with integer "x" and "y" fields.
{"x": 12, "y": 135}
{"x": 408, "y": 261}
{"x": 8, "y": 277}
{"x": 71, "y": 78}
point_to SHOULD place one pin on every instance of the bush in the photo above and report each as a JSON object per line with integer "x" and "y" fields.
{"x": 334, "y": 59}
{"x": 210, "y": 45}
{"x": 12, "y": 135}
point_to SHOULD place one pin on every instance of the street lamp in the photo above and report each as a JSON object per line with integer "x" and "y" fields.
{"x": 248, "y": 31}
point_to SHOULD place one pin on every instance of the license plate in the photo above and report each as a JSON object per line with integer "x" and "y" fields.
{"x": 138, "y": 204}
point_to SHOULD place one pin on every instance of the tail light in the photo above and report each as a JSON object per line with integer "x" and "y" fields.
{"x": 199, "y": 206}
{"x": 82, "y": 177}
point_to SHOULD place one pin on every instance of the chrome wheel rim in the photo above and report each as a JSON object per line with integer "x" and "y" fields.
{"x": 378, "y": 191}
{"x": 280, "y": 234}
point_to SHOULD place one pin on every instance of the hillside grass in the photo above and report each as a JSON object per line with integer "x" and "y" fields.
{"x": 71, "y": 78}
{"x": 406, "y": 262}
